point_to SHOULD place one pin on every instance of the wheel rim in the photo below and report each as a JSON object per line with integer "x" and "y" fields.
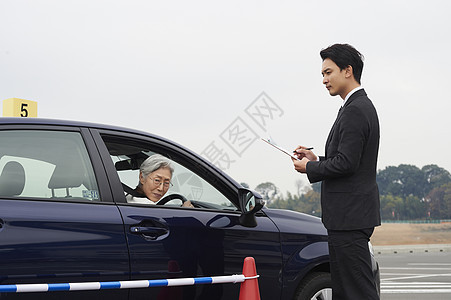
{"x": 324, "y": 294}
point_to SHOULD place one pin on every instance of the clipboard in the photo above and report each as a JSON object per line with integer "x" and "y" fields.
{"x": 268, "y": 141}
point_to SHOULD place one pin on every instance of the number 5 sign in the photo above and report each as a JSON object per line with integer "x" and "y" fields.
{"x": 15, "y": 107}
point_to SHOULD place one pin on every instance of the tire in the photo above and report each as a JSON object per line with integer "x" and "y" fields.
{"x": 315, "y": 286}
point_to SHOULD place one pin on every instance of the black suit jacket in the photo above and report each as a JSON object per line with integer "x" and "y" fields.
{"x": 349, "y": 192}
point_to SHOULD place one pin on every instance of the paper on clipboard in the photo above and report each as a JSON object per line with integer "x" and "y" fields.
{"x": 268, "y": 141}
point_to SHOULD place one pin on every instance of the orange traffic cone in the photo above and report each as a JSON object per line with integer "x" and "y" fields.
{"x": 249, "y": 288}
{"x": 173, "y": 292}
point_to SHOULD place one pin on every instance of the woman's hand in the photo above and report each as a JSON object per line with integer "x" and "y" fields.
{"x": 187, "y": 204}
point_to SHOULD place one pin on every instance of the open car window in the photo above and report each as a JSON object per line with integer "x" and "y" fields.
{"x": 127, "y": 156}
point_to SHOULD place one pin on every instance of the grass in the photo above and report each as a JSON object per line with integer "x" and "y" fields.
{"x": 411, "y": 234}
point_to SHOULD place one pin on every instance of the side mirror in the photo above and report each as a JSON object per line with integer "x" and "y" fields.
{"x": 250, "y": 203}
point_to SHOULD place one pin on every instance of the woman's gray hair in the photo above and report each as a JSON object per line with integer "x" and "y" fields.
{"x": 153, "y": 163}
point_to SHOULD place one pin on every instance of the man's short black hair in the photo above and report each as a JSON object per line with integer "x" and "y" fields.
{"x": 344, "y": 55}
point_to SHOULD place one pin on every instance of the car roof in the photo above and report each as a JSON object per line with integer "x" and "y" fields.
{"x": 61, "y": 122}
{"x": 73, "y": 123}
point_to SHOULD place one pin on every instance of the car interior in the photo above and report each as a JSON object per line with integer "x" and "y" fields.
{"x": 186, "y": 185}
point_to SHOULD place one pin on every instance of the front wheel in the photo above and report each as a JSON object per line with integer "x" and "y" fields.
{"x": 315, "y": 286}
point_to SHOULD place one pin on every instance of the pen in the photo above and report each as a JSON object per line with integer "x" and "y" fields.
{"x": 310, "y": 148}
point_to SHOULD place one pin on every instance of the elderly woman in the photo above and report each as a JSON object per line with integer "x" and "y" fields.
{"x": 155, "y": 175}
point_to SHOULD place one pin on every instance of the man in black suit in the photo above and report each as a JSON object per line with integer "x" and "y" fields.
{"x": 349, "y": 193}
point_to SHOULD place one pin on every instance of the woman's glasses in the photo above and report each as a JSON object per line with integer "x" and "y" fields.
{"x": 158, "y": 182}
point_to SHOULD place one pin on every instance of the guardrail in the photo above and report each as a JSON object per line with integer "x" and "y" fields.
{"x": 248, "y": 290}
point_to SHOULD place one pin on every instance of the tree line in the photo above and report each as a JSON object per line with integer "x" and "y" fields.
{"x": 406, "y": 193}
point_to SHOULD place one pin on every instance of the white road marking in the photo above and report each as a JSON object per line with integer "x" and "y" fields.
{"x": 428, "y": 291}
{"x": 393, "y": 282}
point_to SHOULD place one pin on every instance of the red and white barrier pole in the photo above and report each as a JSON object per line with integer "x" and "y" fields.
{"x": 248, "y": 289}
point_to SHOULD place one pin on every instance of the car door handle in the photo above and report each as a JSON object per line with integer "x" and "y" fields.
{"x": 149, "y": 232}
{"x": 146, "y": 229}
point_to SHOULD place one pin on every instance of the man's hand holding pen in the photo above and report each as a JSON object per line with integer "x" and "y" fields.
{"x": 304, "y": 155}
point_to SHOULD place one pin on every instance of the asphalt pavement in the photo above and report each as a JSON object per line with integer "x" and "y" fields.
{"x": 414, "y": 271}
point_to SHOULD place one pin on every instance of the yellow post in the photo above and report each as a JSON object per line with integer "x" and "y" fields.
{"x": 15, "y": 107}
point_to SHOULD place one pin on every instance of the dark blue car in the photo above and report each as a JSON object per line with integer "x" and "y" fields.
{"x": 64, "y": 218}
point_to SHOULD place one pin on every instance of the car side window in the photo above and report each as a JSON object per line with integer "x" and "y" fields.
{"x": 46, "y": 164}
{"x": 128, "y": 157}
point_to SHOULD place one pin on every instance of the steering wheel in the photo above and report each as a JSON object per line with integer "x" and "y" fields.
{"x": 170, "y": 197}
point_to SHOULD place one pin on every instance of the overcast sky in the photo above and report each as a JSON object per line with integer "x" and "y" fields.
{"x": 197, "y": 71}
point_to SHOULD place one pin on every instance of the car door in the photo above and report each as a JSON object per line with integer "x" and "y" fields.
{"x": 170, "y": 241}
{"x": 58, "y": 223}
